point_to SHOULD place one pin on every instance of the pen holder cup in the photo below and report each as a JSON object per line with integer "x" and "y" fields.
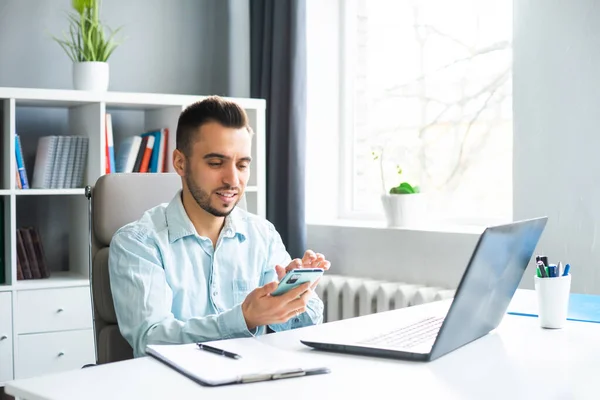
{"x": 553, "y": 300}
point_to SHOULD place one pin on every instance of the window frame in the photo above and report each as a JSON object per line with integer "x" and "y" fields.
{"x": 346, "y": 31}
{"x": 347, "y": 11}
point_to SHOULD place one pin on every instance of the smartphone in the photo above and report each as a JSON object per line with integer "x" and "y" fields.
{"x": 297, "y": 277}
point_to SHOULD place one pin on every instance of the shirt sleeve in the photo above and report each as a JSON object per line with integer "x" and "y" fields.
{"x": 143, "y": 299}
{"x": 278, "y": 255}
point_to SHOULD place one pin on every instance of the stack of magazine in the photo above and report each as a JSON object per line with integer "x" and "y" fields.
{"x": 31, "y": 260}
{"x": 60, "y": 162}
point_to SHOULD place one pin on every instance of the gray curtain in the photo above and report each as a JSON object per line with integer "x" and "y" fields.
{"x": 278, "y": 74}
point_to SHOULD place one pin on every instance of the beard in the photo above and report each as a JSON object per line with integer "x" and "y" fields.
{"x": 203, "y": 198}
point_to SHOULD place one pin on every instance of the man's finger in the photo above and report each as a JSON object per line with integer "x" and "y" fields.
{"x": 280, "y": 272}
{"x": 296, "y": 292}
{"x": 295, "y": 313}
{"x": 309, "y": 257}
{"x": 325, "y": 265}
{"x": 318, "y": 260}
{"x": 268, "y": 288}
{"x": 300, "y": 301}
{"x": 295, "y": 264}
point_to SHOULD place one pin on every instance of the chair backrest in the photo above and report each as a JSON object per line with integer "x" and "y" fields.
{"x": 118, "y": 199}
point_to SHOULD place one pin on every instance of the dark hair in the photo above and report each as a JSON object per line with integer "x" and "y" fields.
{"x": 211, "y": 109}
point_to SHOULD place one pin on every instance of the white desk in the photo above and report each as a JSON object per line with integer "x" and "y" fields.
{"x": 519, "y": 360}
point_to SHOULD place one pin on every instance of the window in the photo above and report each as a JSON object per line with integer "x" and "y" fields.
{"x": 427, "y": 84}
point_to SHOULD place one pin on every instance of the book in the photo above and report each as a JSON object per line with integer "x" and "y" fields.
{"x": 73, "y": 162}
{"x": 30, "y": 253}
{"x": 154, "y": 158}
{"x": 140, "y": 154}
{"x": 127, "y": 153}
{"x": 110, "y": 147}
{"x": 54, "y": 177}
{"x": 21, "y": 163}
{"x": 31, "y": 260}
{"x": 39, "y": 253}
{"x": 258, "y": 362}
{"x": 69, "y": 171}
{"x": 582, "y": 307}
{"x": 80, "y": 161}
{"x": 44, "y": 162}
{"x": 17, "y": 177}
{"x": 145, "y": 165}
{"x": 146, "y": 152}
{"x": 63, "y": 162}
{"x": 22, "y": 257}
{"x": 19, "y": 270}
{"x": 162, "y": 155}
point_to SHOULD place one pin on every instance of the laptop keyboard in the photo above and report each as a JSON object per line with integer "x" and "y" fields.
{"x": 408, "y": 336}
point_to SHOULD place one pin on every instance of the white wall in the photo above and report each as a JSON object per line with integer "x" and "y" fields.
{"x": 556, "y": 167}
{"x": 170, "y": 46}
{"x": 424, "y": 257}
{"x": 557, "y": 130}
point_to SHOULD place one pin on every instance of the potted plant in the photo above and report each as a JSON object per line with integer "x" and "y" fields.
{"x": 88, "y": 46}
{"x": 403, "y": 204}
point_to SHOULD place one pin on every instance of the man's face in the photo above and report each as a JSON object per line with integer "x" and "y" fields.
{"x": 218, "y": 169}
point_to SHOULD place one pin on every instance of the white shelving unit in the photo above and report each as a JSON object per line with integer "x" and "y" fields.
{"x": 53, "y": 315}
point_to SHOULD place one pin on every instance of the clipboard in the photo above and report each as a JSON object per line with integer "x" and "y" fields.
{"x": 260, "y": 362}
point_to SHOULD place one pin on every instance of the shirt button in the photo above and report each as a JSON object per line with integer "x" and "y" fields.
{"x": 296, "y": 319}
{"x": 215, "y": 293}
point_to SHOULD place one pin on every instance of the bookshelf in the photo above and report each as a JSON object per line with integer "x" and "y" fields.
{"x": 40, "y": 311}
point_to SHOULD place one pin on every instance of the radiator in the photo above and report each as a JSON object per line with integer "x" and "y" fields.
{"x": 347, "y": 297}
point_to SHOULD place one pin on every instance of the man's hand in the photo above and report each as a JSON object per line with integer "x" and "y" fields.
{"x": 260, "y": 308}
{"x": 310, "y": 260}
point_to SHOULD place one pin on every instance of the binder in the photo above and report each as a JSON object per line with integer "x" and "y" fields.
{"x": 258, "y": 362}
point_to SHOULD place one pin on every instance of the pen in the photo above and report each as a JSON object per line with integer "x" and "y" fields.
{"x": 567, "y": 268}
{"x": 214, "y": 350}
{"x": 542, "y": 269}
{"x": 552, "y": 271}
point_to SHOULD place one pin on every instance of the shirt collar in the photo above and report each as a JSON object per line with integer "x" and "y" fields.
{"x": 236, "y": 225}
{"x": 180, "y": 225}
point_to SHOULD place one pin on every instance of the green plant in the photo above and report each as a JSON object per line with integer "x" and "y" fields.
{"x": 86, "y": 40}
{"x": 403, "y": 187}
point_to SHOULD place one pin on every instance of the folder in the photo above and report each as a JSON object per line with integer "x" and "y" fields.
{"x": 258, "y": 362}
{"x": 582, "y": 307}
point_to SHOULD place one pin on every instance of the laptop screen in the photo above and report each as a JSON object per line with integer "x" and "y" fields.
{"x": 489, "y": 283}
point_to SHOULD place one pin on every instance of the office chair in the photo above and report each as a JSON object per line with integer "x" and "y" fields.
{"x": 115, "y": 200}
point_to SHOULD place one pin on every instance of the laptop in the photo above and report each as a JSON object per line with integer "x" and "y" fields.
{"x": 485, "y": 290}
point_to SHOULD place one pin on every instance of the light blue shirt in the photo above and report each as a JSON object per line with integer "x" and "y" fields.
{"x": 170, "y": 285}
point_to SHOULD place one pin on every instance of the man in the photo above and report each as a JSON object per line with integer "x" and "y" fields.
{"x": 200, "y": 268}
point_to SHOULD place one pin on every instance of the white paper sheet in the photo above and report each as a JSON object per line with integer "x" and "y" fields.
{"x": 214, "y": 369}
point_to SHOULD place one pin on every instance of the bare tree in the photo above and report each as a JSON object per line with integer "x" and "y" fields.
{"x": 490, "y": 94}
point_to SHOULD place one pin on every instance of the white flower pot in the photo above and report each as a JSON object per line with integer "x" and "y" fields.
{"x": 90, "y": 75}
{"x": 402, "y": 210}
